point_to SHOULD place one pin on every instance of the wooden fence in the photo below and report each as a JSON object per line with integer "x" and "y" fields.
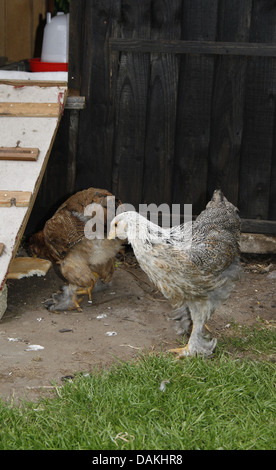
{"x": 180, "y": 100}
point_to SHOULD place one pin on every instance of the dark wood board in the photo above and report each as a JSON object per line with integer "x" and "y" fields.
{"x": 227, "y": 117}
{"x": 199, "y": 21}
{"x": 193, "y": 47}
{"x": 96, "y": 125}
{"x": 162, "y": 106}
{"x": 130, "y": 119}
{"x": 259, "y": 115}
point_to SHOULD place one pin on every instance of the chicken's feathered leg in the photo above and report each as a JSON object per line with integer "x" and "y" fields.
{"x": 68, "y": 298}
{"x": 64, "y": 300}
{"x": 183, "y": 322}
{"x": 88, "y": 290}
{"x": 198, "y": 342}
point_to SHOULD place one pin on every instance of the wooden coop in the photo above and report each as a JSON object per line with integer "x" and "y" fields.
{"x": 169, "y": 100}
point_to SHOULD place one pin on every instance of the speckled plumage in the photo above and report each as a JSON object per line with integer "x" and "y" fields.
{"x": 194, "y": 265}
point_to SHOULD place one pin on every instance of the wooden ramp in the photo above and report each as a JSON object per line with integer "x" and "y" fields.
{"x": 31, "y": 106}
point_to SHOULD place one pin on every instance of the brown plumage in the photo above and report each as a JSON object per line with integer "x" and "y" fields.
{"x": 82, "y": 261}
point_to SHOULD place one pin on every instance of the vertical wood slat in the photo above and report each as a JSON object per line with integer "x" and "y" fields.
{"x": 257, "y": 142}
{"x": 199, "y": 22}
{"x": 228, "y": 102}
{"x": 161, "y": 106}
{"x": 130, "y": 109}
{"x": 272, "y": 202}
{"x": 94, "y": 162}
{"x": 76, "y": 43}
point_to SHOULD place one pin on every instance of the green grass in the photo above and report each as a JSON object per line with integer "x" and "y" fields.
{"x": 226, "y": 402}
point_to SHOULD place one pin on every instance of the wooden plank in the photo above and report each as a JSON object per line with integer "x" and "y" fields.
{"x": 259, "y": 112}
{"x": 131, "y": 111}
{"x": 228, "y": 102}
{"x": 26, "y": 267}
{"x": 193, "y": 47}
{"x": 77, "y": 10}
{"x": 162, "y": 106}
{"x": 40, "y": 83}
{"x": 199, "y": 22}
{"x": 97, "y": 119}
{"x": 258, "y": 226}
{"x": 30, "y": 109}
{"x": 1, "y": 248}
{"x": 75, "y": 102}
{"x": 19, "y": 153}
{"x": 272, "y": 192}
{"x": 39, "y": 133}
{"x": 15, "y": 198}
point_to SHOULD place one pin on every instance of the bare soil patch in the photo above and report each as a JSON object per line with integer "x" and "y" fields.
{"x": 127, "y": 317}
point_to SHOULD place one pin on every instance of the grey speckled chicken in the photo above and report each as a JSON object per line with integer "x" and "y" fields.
{"x": 194, "y": 265}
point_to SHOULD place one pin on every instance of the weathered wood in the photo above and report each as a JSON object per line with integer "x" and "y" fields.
{"x": 56, "y": 184}
{"x": 76, "y": 30}
{"x": 193, "y": 47}
{"x": 24, "y": 178}
{"x": 95, "y": 144}
{"x": 40, "y": 83}
{"x": 26, "y": 267}
{"x": 258, "y": 226}
{"x": 161, "y": 106}
{"x": 130, "y": 111}
{"x": 228, "y": 102}
{"x": 199, "y": 22}
{"x": 202, "y": 98}
{"x": 30, "y": 109}
{"x": 259, "y": 114}
{"x": 272, "y": 193}
{"x": 19, "y": 153}
{"x": 15, "y": 198}
{"x": 75, "y": 102}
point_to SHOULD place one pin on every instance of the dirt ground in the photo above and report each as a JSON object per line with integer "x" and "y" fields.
{"x": 125, "y": 318}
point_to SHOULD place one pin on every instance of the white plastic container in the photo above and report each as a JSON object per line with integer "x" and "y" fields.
{"x": 55, "y": 45}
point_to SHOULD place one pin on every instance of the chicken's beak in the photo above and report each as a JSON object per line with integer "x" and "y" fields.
{"x": 112, "y": 234}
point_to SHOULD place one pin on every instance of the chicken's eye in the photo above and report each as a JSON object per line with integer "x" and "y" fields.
{"x": 116, "y": 224}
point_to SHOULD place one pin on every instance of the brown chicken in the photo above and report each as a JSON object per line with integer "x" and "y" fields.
{"x": 82, "y": 261}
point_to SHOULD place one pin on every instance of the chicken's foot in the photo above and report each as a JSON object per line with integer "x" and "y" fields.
{"x": 88, "y": 290}
{"x": 193, "y": 348}
{"x": 181, "y": 351}
{"x": 77, "y": 302}
{"x": 199, "y": 342}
